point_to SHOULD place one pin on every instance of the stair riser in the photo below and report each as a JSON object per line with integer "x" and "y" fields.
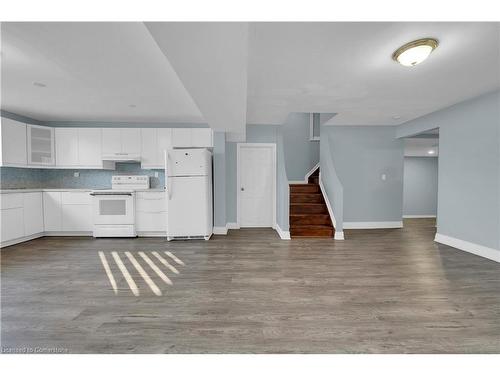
{"x": 306, "y": 198}
{"x": 310, "y": 220}
{"x": 309, "y": 188}
{"x": 308, "y": 209}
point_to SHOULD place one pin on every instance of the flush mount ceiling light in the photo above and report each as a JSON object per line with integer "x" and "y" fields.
{"x": 431, "y": 152}
{"x": 415, "y": 52}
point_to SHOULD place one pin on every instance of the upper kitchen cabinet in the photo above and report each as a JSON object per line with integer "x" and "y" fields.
{"x": 66, "y": 147}
{"x": 201, "y": 137}
{"x": 13, "y": 143}
{"x": 121, "y": 141}
{"x": 89, "y": 147}
{"x": 192, "y": 137}
{"x": 78, "y": 147}
{"x": 41, "y": 150}
{"x": 154, "y": 143}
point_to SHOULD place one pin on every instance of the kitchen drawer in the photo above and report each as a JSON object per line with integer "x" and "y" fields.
{"x": 69, "y": 197}
{"x": 14, "y": 200}
{"x": 150, "y": 202}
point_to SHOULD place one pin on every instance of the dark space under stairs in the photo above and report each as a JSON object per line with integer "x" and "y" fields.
{"x": 308, "y": 211}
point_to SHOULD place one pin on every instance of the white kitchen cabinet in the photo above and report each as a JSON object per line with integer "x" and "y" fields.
{"x": 181, "y": 137}
{"x": 78, "y": 147}
{"x": 192, "y": 137}
{"x": 131, "y": 141}
{"x": 150, "y": 216}
{"x": 33, "y": 213}
{"x": 76, "y": 211}
{"x": 52, "y": 212}
{"x": 89, "y": 147}
{"x": 121, "y": 141}
{"x": 12, "y": 223}
{"x": 41, "y": 150}
{"x": 201, "y": 137}
{"x": 77, "y": 218}
{"x": 154, "y": 143}
{"x": 13, "y": 143}
{"x": 12, "y": 214}
{"x": 149, "y": 147}
{"x": 164, "y": 143}
{"x": 67, "y": 211}
{"x": 66, "y": 147}
{"x": 111, "y": 141}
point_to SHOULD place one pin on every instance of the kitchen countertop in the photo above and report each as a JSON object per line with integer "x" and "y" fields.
{"x": 7, "y": 191}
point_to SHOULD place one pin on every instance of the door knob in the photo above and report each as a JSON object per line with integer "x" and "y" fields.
{"x": 242, "y": 189}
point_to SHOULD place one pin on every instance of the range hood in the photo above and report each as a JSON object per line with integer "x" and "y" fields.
{"x": 121, "y": 156}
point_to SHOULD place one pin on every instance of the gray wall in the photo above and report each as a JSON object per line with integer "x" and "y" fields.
{"x": 301, "y": 154}
{"x": 219, "y": 177}
{"x": 469, "y": 168}
{"x": 420, "y": 186}
{"x": 361, "y": 155}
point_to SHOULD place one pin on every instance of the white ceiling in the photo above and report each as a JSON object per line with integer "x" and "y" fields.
{"x": 93, "y": 72}
{"x": 210, "y": 58}
{"x": 230, "y": 74}
{"x": 347, "y": 68}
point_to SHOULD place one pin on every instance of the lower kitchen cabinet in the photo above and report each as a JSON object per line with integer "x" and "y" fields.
{"x": 76, "y": 218}
{"x": 150, "y": 213}
{"x": 33, "y": 213}
{"x": 67, "y": 211}
{"x": 12, "y": 223}
{"x": 52, "y": 214}
{"x": 22, "y": 216}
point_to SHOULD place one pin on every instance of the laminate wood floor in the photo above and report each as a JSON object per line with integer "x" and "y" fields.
{"x": 380, "y": 291}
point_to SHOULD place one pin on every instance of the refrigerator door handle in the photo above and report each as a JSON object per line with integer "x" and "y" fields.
{"x": 167, "y": 169}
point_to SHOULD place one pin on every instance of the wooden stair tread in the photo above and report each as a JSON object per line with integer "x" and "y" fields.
{"x": 309, "y": 215}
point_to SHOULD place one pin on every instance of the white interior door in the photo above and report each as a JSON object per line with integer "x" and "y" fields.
{"x": 257, "y": 175}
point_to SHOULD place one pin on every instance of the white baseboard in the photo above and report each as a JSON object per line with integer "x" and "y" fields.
{"x": 69, "y": 234}
{"x": 233, "y": 226}
{"x": 220, "y": 230}
{"x": 482, "y": 251}
{"x": 300, "y": 182}
{"x": 21, "y": 239}
{"x": 327, "y": 201}
{"x": 373, "y": 224}
{"x": 418, "y": 216}
{"x": 284, "y": 235}
{"x": 339, "y": 236}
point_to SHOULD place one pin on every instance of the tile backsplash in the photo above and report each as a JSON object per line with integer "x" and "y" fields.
{"x": 28, "y": 178}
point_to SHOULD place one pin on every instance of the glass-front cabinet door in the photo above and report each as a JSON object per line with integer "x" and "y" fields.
{"x": 40, "y": 145}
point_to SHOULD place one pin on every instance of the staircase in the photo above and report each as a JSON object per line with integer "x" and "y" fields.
{"x": 308, "y": 212}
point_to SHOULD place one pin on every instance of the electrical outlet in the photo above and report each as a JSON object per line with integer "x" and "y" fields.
{"x": 156, "y": 174}
{"x": 76, "y": 174}
{"x": 383, "y": 177}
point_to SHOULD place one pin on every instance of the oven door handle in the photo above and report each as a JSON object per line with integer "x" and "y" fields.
{"x": 109, "y": 194}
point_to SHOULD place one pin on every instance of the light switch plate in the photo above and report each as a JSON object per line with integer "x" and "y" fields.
{"x": 156, "y": 174}
{"x": 383, "y": 177}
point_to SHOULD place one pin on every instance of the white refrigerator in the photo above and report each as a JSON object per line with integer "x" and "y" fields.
{"x": 188, "y": 174}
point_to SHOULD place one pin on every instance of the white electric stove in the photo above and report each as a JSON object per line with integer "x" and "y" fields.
{"x": 114, "y": 209}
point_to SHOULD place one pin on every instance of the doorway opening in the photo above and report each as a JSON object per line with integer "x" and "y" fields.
{"x": 420, "y": 180}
